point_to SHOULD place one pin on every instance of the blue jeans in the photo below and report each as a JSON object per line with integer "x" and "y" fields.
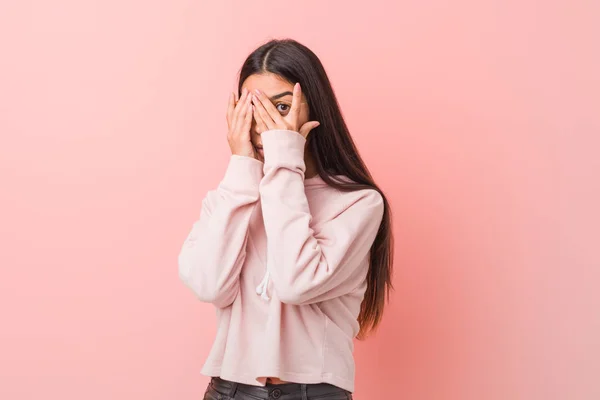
{"x": 221, "y": 389}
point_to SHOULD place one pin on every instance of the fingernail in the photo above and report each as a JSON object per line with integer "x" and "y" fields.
{"x": 257, "y": 91}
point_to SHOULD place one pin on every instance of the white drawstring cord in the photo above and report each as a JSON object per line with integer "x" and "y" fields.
{"x": 262, "y": 287}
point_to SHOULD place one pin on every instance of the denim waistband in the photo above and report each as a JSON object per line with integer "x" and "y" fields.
{"x": 274, "y": 391}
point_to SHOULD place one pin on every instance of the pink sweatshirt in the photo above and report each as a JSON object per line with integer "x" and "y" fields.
{"x": 284, "y": 260}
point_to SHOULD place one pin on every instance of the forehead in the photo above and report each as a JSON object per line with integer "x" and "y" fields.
{"x": 268, "y": 83}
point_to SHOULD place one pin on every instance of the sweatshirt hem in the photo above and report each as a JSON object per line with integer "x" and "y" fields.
{"x": 290, "y": 376}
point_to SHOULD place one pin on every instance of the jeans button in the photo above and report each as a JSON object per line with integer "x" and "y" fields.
{"x": 276, "y": 393}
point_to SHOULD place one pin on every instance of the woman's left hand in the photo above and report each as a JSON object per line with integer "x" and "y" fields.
{"x": 272, "y": 119}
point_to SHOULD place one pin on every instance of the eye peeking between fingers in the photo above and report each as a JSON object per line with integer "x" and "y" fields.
{"x": 285, "y": 108}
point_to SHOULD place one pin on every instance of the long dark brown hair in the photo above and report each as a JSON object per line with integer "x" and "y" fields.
{"x": 334, "y": 153}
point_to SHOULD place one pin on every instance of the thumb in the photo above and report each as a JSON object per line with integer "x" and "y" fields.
{"x": 307, "y": 127}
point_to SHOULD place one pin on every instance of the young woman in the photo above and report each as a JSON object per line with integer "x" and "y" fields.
{"x": 294, "y": 246}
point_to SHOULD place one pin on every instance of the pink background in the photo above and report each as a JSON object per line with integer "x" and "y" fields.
{"x": 479, "y": 118}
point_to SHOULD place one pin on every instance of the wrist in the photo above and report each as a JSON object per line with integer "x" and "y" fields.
{"x": 243, "y": 153}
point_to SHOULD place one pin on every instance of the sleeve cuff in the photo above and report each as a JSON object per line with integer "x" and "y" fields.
{"x": 283, "y": 147}
{"x": 243, "y": 173}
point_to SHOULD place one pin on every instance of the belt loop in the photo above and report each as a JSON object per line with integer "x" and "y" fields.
{"x": 303, "y": 389}
{"x": 232, "y": 389}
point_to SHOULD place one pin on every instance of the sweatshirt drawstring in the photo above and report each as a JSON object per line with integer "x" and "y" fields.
{"x": 262, "y": 287}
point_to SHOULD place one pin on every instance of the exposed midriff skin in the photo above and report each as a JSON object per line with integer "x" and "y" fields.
{"x": 276, "y": 381}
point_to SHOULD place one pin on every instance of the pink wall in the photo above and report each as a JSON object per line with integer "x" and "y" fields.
{"x": 480, "y": 118}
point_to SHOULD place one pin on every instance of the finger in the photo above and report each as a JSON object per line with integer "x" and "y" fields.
{"x": 244, "y": 109}
{"x": 245, "y": 94}
{"x": 308, "y": 127}
{"x": 264, "y": 115}
{"x": 296, "y": 101}
{"x": 230, "y": 108}
{"x": 248, "y": 119}
{"x": 236, "y": 112}
{"x": 269, "y": 108}
{"x": 260, "y": 124}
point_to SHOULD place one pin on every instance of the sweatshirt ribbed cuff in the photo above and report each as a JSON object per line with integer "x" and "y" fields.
{"x": 283, "y": 148}
{"x": 244, "y": 173}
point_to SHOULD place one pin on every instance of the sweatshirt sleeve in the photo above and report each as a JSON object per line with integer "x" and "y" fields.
{"x": 214, "y": 251}
{"x": 306, "y": 265}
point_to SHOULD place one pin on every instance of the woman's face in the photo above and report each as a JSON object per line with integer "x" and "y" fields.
{"x": 280, "y": 93}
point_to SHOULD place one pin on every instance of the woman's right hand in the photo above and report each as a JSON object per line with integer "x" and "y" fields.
{"x": 239, "y": 121}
